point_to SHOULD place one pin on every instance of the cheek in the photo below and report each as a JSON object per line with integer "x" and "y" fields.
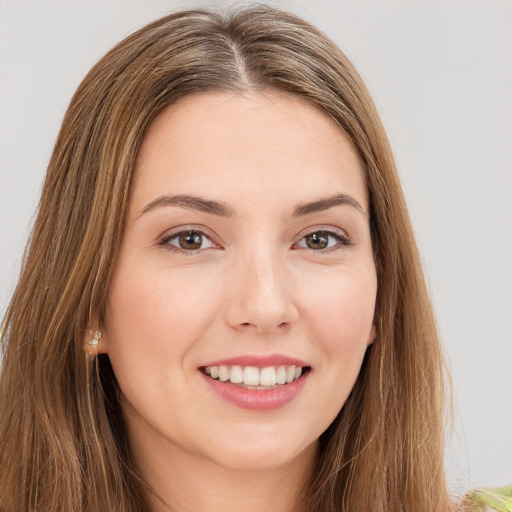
{"x": 154, "y": 317}
{"x": 151, "y": 327}
{"x": 339, "y": 314}
{"x": 341, "y": 309}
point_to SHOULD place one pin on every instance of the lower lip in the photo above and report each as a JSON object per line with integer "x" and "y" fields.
{"x": 257, "y": 399}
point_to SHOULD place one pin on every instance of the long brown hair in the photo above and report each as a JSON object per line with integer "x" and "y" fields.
{"x": 63, "y": 442}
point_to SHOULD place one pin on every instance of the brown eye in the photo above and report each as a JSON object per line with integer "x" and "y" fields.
{"x": 318, "y": 240}
{"x": 324, "y": 241}
{"x": 187, "y": 241}
{"x": 191, "y": 240}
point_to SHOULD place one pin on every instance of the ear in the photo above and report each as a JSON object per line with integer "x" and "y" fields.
{"x": 95, "y": 341}
{"x": 373, "y": 335}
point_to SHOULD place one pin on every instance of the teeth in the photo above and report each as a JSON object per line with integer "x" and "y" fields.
{"x": 253, "y": 376}
{"x": 281, "y": 375}
{"x": 235, "y": 375}
{"x": 268, "y": 376}
{"x": 223, "y": 373}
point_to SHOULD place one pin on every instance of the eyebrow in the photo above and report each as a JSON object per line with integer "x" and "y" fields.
{"x": 326, "y": 203}
{"x": 224, "y": 210}
{"x": 192, "y": 203}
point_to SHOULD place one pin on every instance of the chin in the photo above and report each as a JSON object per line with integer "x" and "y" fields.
{"x": 267, "y": 454}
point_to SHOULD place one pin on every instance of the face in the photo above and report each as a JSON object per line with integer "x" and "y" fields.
{"x": 243, "y": 298}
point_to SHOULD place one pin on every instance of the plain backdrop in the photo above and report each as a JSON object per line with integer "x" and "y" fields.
{"x": 440, "y": 73}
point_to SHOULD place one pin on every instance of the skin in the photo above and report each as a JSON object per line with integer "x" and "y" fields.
{"x": 253, "y": 288}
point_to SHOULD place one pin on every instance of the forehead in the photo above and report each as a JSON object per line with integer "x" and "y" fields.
{"x": 237, "y": 145}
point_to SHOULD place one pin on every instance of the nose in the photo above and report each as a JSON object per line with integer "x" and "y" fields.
{"x": 261, "y": 298}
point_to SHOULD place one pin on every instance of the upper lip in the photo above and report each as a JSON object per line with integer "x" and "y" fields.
{"x": 258, "y": 361}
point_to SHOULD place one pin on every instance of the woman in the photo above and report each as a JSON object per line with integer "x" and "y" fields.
{"x": 222, "y": 303}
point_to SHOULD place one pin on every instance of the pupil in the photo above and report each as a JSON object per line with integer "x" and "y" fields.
{"x": 317, "y": 241}
{"x": 190, "y": 240}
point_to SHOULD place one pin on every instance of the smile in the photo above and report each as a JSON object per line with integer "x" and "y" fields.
{"x": 252, "y": 377}
{"x": 259, "y": 384}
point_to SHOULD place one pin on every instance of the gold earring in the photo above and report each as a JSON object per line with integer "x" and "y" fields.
{"x": 96, "y": 335}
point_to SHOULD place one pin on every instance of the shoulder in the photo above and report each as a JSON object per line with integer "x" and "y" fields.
{"x": 497, "y": 499}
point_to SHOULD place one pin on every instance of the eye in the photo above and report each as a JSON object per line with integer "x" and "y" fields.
{"x": 323, "y": 240}
{"x": 187, "y": 241}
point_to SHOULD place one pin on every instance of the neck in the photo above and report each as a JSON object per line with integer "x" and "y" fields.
{"x": 185, "y": 482}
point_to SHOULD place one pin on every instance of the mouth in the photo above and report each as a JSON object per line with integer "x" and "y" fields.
{"x": 255, "y": 378}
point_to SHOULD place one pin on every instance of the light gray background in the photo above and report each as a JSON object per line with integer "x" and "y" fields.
{"x": 441, "y": 77}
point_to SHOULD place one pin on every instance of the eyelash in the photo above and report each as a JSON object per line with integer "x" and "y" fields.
{"x": 343, "y": 241}
{"x": 339, "y": 235}
{"x": 164, "y": 241}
